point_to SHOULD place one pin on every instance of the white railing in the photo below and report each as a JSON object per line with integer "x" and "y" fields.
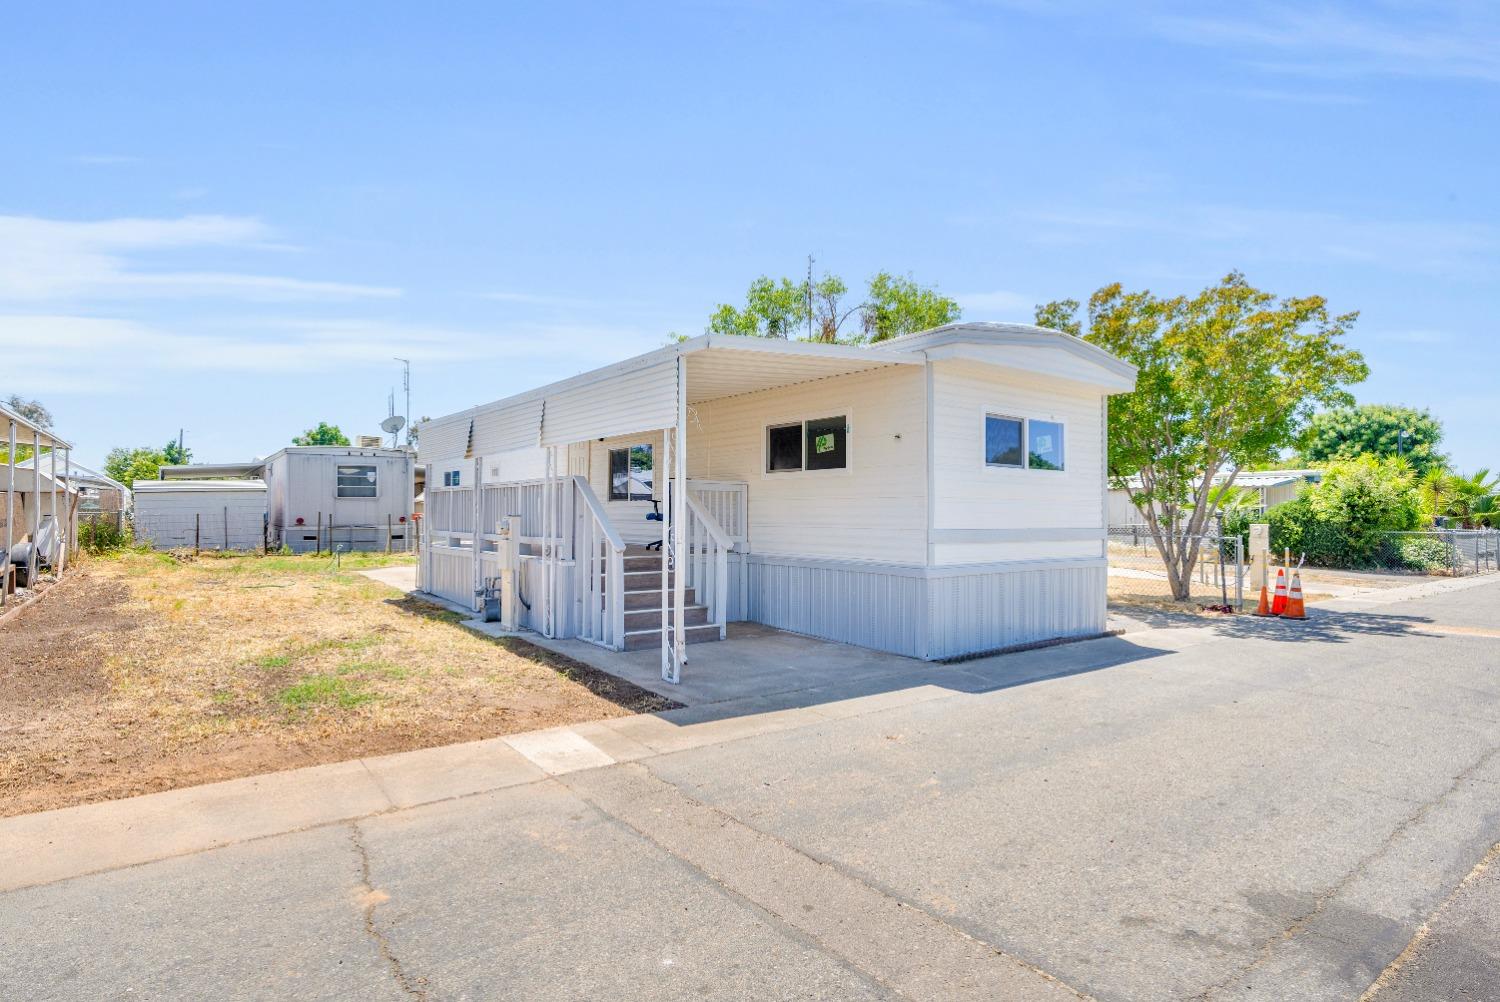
{"x": 599, "y": 571}
{"x": 728, "y": 502}
{"x": 706, "y": 561}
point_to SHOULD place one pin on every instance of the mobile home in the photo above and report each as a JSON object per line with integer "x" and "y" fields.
{"x": 340, "y": 497}
{"x": 935, "y": 495}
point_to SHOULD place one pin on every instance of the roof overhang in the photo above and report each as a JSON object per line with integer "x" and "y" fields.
{"x": 720, "y": 365}
{"x": 169, "y": 486}
{"x": 27, "y": 433}
{"x": 1036, "y": 350}
{"x": 211, "y": 471}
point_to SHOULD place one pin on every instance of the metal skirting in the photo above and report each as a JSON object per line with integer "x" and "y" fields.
{"x": 930, "y": 613}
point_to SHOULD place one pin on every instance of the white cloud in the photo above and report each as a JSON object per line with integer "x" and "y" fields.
{"x": 77, "y": 354}
{"x": 1001, "y": 304}
{"x": 1462, "y": 250}
{"x": 53, "y": 260}
{"x": 1452, "y": 40}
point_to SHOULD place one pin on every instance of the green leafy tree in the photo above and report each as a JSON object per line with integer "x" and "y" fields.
{"x": 1471, "y": 500}
{"x": 892, "y": 306}
{"x": 129, "y": 465}
{"x": 772, "y": 309}
{"x": 323, "y": 434}
{"x": 1226, "y": 379}
{"x": 1374, "y": 430}
{"x": 37, "y": 414}
{"x": 175, "y": 454}
{"x": 897, "y": 306}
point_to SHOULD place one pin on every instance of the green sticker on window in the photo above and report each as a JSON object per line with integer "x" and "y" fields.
{"x": 823, "y": 443}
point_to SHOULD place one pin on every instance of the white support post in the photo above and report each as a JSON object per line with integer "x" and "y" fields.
{"x": 548, "y": 550}
{"x": 678, "y": 521}
{"x": 59, "y": 534}
{"x": 476, "y": 537}
{"x": 33, "y": 562}
{"x": 10, "y": 514}
{"x": 668, "y": 672}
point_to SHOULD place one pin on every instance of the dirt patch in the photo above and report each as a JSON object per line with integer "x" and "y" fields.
{"x": 147, "y": 672}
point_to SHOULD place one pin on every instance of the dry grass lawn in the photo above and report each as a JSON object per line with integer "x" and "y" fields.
{"x": 146, "y": 672}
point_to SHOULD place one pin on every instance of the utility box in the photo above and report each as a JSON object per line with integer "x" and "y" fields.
{"x": 1260, "y": 554}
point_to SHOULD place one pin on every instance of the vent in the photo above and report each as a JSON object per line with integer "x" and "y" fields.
{"x": 469, "y": 446}
{"x": 368, "y": 441}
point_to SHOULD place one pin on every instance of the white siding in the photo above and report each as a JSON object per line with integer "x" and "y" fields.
{"x": 501, "y": 429}
{"x": 1016, "y": 503}
{"x": 629, "y": 517}
{"x": 873, "y": 510}
{"x": 639, "y": 400}
{"x": 443, "y": 438}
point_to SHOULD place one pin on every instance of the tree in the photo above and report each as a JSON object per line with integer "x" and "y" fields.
{"x": 1374, "y": 430}
{"x": 772, "y": 309}
{"x": 176, "y": 455}
{"x": 892, "y": 306}
{"x": 129, "y": 465}
{"x": 897, "y": 306}
{"x": 1470, "y": 499}
{"x": 1343, "y": 520}
{"x": 1226, "y": 378}
{"x": 31, "y": 410}
{"x": 323, "y": 434}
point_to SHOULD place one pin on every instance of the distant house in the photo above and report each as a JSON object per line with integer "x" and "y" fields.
{"x": 1271, "y": 487}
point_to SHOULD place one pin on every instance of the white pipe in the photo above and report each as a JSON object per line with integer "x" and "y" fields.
{"x": 33, "y": 562}
{"x": 10, "y": 507}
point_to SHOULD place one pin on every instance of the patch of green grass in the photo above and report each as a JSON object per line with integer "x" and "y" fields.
{"x": 320, "y": 690}
{"x": 222, "y": 696}
{"x": 385, "y": 669}
{"x": 274, "y": 661}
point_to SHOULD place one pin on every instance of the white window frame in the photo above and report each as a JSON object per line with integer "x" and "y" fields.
{"x": 1025, "y": 466}
{"x": 609, "y": 485}
{"x": 822, "y": 414}
{"x": 374, "y": 467}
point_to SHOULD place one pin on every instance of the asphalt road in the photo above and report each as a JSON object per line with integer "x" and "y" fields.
{"x": 1252, "y": 811}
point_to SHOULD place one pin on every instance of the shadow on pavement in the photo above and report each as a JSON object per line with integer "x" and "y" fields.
{"x": 1321, "y": 625}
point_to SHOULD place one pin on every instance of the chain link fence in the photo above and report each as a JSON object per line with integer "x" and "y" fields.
{"x": 1453, "y": 552}
{"x": 1137, "y": 572}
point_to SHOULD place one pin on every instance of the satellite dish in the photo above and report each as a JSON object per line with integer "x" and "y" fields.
{"x": 393, "y": 424}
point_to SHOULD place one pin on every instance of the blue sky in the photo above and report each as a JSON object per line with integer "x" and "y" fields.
{"x": 229, "y": 218}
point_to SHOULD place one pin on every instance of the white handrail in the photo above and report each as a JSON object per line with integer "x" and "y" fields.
{"x": 708, "y": 543}
{"x": 599, "y": 571}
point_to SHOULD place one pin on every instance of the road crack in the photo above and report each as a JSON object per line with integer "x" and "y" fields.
{"x": 1300, "y": 923}
{"x": 371, "y": 898}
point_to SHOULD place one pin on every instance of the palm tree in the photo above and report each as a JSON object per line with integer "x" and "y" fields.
{"x": 1468, "y": 499}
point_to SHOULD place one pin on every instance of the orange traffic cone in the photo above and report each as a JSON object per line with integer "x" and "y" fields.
{"x": 1264, "y": 609}
{"x": 1278, "y": 604}
{"x": 1294, "y": 607}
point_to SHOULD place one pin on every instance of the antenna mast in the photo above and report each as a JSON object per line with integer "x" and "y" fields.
{"x": 406, "y": 385}
{"x": 809, "y": 296}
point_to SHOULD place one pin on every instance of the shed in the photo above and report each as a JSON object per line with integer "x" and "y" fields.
{"x": 208, "y": 514}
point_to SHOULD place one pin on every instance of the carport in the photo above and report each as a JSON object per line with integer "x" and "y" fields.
{"x": 35, "y": 489}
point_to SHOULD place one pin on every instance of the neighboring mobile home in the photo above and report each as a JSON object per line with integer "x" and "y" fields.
{"x": 934, "y": 495}
{"x": 327, "y": 497}
{"x": 1269, "y": 488}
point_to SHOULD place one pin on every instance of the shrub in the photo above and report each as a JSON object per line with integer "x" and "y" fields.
{"x": 1418, "y": 553}
{"x": 102, "y": 535}
{"x": 1343, "y": 521}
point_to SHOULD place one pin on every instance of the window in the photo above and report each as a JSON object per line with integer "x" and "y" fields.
{"x": 816, "y": 444}
{"x": 1002, "y": 441}
{"x": 1003, "y": 438}
{"x": 356, "y": 482}
{"x": 631, "y": 476}
{"x": 450, "y": 478}
{"x": 1044, "y": 445}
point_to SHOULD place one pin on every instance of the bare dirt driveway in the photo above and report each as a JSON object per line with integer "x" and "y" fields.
{"x": 1238, "y": 809}
{"x": 147, "y": 671}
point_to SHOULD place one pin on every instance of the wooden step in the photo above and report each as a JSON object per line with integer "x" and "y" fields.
{"x": 650, "y": 598}
{"x": 641, "y": 580}
{"x": 646, "y": 563}
{"x": 650, "y": 619}
{"x": 641, "y": 640}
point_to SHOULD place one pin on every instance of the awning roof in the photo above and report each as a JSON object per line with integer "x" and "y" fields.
{"x": 172, "y": 486}
{"x": 75, "y": 473}
{"x": 725, "y": 366}
{"x": 26, "y": 431}
{"x": 209, "y": 471}
{"x": 26, "y": 481}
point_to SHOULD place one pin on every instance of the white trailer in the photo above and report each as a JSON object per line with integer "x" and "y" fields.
{"x": 201, "y": 514}
{"x": 340, "y": 497}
